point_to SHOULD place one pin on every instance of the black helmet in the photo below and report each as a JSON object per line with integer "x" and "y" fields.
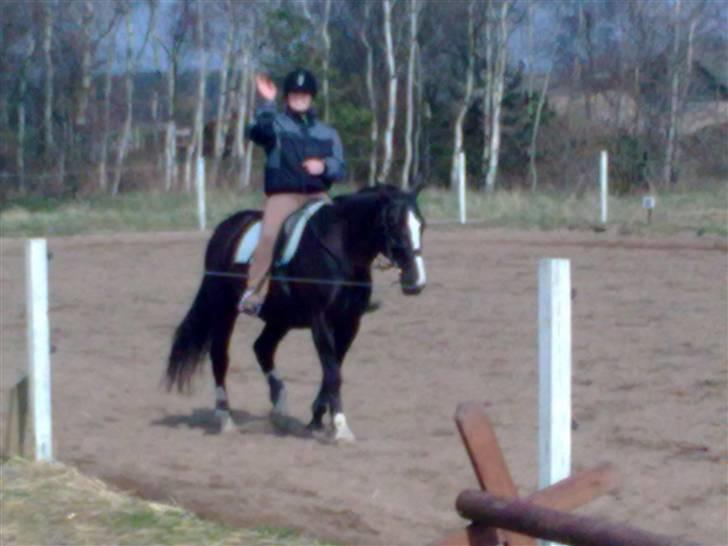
{"x": 300, "y": 81}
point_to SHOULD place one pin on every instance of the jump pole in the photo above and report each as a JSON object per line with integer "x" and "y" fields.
{"x": 200, "y": 185}
{"x": 39, "y": 349}
{"x": 554, "y": 356}
{"x": 461, "y": 188}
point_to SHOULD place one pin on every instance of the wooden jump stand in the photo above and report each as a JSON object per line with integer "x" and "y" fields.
{"x": 500, "y": 517}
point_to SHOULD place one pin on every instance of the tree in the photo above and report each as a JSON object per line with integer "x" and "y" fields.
{"x": 409, "y": 145}
{"x": 392, "y": 95}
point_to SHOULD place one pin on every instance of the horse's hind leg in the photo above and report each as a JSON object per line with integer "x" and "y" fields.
{"x": 222, "y": 330}
{"x": 265, "y": 347}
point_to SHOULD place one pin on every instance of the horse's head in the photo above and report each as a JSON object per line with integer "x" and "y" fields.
{"x": 402, "y": 226}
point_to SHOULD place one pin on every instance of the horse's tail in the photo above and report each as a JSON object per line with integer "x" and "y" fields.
{"x": 193, "y": 336}
{"x": 191, "y": 340}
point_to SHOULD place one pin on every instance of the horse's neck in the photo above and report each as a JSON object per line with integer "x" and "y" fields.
{"x": 362, "y": 239}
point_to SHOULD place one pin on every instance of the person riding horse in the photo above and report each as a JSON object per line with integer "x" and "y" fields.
{"x": 304, "y": 157}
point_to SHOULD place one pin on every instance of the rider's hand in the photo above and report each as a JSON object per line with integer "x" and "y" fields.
{"x": 266, "y": 88}
{"x": 314, "y": 166}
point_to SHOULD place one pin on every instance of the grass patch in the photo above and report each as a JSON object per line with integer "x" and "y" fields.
{"x": 54, "y": 504}
{"x": 702, "y": 211}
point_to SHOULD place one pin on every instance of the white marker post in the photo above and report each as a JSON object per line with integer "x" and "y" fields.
{"x": 200, "y": 185}
{"x": 39, "y": 347}
{"x": 604, "y": 183}
{"x": 461, "y": 188}
{"x": 554, "y": 355}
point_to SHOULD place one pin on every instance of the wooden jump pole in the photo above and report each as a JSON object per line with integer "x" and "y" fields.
{"x": 536, "y": 521}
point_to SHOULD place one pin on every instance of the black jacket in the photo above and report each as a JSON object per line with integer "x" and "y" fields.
{"x": 290, "y": 138}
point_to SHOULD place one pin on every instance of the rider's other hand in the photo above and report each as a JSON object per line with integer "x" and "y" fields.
{"x": 314, "y": 166}
{"x": 266, "y": 88}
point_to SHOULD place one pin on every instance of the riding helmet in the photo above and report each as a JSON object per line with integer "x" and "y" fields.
{"x": 300, "y": 81}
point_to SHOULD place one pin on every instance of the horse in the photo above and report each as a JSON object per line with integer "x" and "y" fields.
{"x": 325, "y": 287}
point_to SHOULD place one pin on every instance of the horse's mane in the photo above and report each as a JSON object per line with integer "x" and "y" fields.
{"x": 368, "y": 193}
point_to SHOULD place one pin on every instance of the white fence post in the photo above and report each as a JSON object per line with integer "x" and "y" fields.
{"x": 604, "y": 183}
{"x": 200, "y": 185}
{"x": 39, "y": 349}
{"x": 554, "y": 354}
{"x": 461, "y": 188}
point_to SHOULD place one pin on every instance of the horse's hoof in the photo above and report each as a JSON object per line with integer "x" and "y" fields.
{"x": 225, "y": 421}
{"x": 342, "y": 432}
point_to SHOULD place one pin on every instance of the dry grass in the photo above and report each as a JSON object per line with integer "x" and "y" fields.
{"x": 54, "y": 504}
{"x": 700, "y": 210}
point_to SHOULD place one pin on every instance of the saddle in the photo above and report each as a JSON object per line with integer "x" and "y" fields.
{"x": 288, "y": 239}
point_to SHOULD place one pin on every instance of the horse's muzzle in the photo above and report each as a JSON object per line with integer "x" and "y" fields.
{"x": 413, "y": 279}
{"x": 411, "y": 290}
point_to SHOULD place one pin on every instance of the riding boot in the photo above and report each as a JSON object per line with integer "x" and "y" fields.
{"x": 252, "y": 300}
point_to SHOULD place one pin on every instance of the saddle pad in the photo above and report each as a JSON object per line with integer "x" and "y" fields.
{"x": 292, "y": 231}
{"x": 247, "y": 244}
{"x": 293, "y": 228}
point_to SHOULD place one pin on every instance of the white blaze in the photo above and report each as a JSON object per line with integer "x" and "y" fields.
{"x": 414, "y": 226}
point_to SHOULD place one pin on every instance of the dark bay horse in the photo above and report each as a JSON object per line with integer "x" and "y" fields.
{"x": 325, "y": 287}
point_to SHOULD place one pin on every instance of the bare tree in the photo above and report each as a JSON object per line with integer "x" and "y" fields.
{"x": 220, "y": 122}
{"x": 413, "y": 13}
{"x": 86, "y": 21}
{"x": 465, "y": 104}
{"x": 374, "y": 128}
{"x": 392, "y": 95}
{"x": 248, "y": 163}
{"x": 22, "y": 87}
{"x": 49, "y": 72}
{"x": 498, "y": 86}
{"x": 327, "y": 57}
{"x": 195, "y": 147}
{"x": 104, "y": 153}
{"x": 488, "y": 78}
{"x": 129, "y": 93}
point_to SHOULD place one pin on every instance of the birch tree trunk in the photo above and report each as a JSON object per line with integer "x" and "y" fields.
{"x": 129, "y": 87}
{"x": 103, "y": 171}
{"x": 488, "y": 93}
{"x": 242, "y": 104}
{"x": 194, "y": 150}
{"x": 500, "y": 70}
{"x": 248, "y": 163}
{"x": 392, "y": 102}
{"x": 22, "y": 88}
{"x": 49, "y": 71}
{"x": 465, "y": 105}
{"x": 374, "y": 127}
{"x": 684, "y": 93}
{"x": 326, "y": 38}
{"x": 220, "y": 125}
{"x": 414, "y": 8}
{"x": 531, "y": 52}
{"x": 667, "y": 169}
{"x": 418, "y": 119}
{"x": 534, "y": 132}
{"x": 87, "y": 20}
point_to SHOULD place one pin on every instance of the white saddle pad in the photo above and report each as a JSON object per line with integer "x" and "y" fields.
{"x": 250, "y": 238}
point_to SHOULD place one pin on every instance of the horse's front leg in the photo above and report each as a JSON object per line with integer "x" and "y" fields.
{"x": 265, "y": 348}
{"x": 332, "y": 344}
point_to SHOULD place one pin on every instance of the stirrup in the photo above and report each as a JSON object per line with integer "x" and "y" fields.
{"x": 250, "y": 303}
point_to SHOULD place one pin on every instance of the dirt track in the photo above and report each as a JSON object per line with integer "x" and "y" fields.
{"x": 650, "y": 383}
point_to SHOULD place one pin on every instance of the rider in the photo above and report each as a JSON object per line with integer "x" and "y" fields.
{"x": 303, "y": 158}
